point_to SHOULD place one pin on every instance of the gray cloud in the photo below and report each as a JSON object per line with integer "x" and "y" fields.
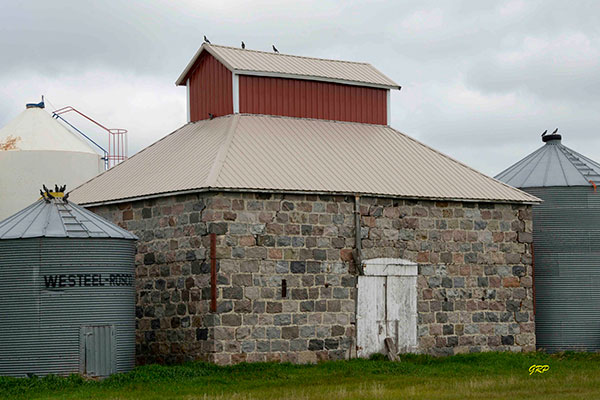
{"x": 481, "y": 79}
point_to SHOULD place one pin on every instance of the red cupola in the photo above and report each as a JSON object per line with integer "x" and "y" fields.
{"x": 224, "y": 80}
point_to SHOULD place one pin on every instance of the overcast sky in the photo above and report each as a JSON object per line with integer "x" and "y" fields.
{"x": 480, "y": 79}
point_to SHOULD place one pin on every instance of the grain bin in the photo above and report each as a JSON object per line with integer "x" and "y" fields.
{"x": 67, "y": 292}
{"x": 35, "y": 148}
{"x": 566, "y": 238}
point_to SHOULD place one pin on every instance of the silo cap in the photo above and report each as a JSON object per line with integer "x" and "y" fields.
{"x": 554, "y": 136}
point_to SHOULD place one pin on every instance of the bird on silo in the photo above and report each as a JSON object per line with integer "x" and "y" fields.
{"x": 556, "y": 130}
{"x": 243, "y": 45}
{"x": 206, "y": 39}
{"x": 211, "y": 115}
{"x": 275, "y": 49}
{"x": 65, "y": 198}
{"x": 56, "y": 190}
{"x": 44, "y": 196}
{"x": 544, "y": 133}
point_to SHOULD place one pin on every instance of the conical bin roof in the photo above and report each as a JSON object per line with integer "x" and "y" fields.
{"x": 59, "y": 218}
{"x": 35, "y": 129}
{"x": 553, "y": 164}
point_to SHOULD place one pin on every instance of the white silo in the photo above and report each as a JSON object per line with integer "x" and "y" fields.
{"x": 36, "y": 149}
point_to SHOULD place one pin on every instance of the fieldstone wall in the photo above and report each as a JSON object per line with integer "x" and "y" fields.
{"x": 474, "y": 284}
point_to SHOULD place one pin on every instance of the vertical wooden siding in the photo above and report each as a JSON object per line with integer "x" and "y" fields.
{"x": 312, "y": 99}
{"x": 210, "y": 89}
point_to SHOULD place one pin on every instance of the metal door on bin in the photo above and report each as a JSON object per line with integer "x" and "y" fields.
{"x": 97, "y": 350}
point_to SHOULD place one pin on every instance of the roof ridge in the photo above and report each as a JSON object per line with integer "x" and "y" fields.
{"x": 219, "y": 161}
{"x": 289, "y": 55}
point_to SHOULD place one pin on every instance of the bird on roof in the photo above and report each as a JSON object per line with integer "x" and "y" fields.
{"x": 45, "y": 188}
{"x": 206, "y": 39}
{"x": 275, "y": 49}
{"x": 44, "y": 196}
{"x": 63, "y": 188}
{"x": 56, "y": 190}
{"x": 65, "y": 198}
{"x": 211, "y": 115}
{"x": 48, "y": 194}
{"x": 556, "y": 130}
{"x": 243, "y": 45}
{"x": 544, "y": 133}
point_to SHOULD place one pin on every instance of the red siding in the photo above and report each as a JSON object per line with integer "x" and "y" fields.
{"x": 210, "y": 89}
{"x": 312, "y": 99}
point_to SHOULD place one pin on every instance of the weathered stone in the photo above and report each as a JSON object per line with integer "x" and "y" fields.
{"x": 474, "y": 289}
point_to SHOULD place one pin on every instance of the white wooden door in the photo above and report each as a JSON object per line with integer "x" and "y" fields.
{"x": 370, "y": 319}
{"x": 387, "y": 307}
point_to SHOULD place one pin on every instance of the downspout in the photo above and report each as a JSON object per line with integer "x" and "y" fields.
{"x": 357, "y": 252}
{"x": 357, "y": 255}
{"x": 213, "y": 272}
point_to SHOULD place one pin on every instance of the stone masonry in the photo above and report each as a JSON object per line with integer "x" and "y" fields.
{"x": 474, "y": 285}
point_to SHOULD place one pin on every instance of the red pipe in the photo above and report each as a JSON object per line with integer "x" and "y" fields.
{"x": 213, "y": 272}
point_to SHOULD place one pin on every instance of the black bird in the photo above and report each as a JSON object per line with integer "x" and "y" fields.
{"x": 44, "y": 196}
{"x": 56, "y": 190}
{"x": 206, "y": 39}
{"x": 243, "y": 45}
{"x": 556, "y": 130}
{"x": 49, "y": 195}
{"x": 63, "y": 188}
{"x": 544, "y": 133}
{"x": 275, "y": 49}
{"x": 65, "y": 198}
{"x": 45, "y": 188}
{"x": 211, "y": 115}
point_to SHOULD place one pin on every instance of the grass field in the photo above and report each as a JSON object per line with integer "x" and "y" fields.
{"x": 473, "y": 376}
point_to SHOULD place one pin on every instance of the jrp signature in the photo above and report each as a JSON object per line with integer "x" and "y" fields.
{"x": 538, "y": 368}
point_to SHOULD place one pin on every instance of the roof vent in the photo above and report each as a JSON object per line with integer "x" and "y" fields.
{"x": 36, "y": 105}
{"x": 554, "y": 136}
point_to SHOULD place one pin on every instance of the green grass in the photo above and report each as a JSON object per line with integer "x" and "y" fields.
{"x": 472, "y": 376}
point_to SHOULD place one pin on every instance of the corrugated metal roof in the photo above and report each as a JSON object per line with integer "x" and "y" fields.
{"x": 268, "y": 153}
{"x": 253, "y": 62}
{"x": 59, "y": 219}
{"x": 553, "y": 164}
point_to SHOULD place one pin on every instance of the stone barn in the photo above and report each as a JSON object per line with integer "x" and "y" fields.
{"x": 288, "y": 221}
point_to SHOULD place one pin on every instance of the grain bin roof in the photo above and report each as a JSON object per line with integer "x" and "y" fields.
{"x": 261, "y": 63}
{"x": 35, "y": 129}
{"x": 59, "y": 219}
{"x": 266, "y": 153}
{"x": 553, "y": 164}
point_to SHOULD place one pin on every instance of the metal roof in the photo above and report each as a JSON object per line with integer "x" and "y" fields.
{"x": 268, "y": 153}
{"x": 253, "y": 62}
{"x": 553, "y": 164}
{"x": 35, "y": 129}
{"x": 57, "y": 218}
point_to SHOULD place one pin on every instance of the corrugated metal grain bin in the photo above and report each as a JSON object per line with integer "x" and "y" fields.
{"x": 67, "y": 292}
{"x": 566, "y": 237}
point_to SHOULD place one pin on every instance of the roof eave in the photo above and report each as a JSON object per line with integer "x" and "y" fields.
{"x": 315, "y": 78}
{"x": 327, "y": 193}
{"x": 181, "y": 81}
